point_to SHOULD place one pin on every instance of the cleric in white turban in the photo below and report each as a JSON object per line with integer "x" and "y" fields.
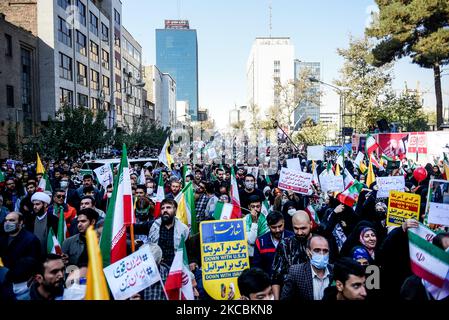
{"x": 41, "y": 196}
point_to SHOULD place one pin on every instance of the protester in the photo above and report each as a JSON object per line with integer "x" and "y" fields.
{"x": 254, "y": 284}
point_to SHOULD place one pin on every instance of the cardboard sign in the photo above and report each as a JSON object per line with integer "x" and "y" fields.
{"x": 332, "y": 183}
{"x": 294, "y": 164}
{"x": 437, "y": 209}
{"x": 132, "y": 274}
{"x": 224, "y": 255}
{"x": 104, "y": 175}
{"x": 402, "y": 206}
{"x": 385, "y": 184}
{"x": 296, "y": 181}
{"x": 315, "y": 153}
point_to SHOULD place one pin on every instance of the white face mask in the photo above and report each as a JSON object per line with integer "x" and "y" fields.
{"x": 150, "y": 190}
{"x": 109, "y": 195}
{"x": 272, "y": 297}
{"x": 291, "y": 212}
{"x": 75, "y": 292}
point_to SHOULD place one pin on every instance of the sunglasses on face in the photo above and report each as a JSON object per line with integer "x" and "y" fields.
{"x": 60, "y": 196}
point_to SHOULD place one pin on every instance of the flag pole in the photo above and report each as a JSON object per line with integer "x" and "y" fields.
{"x": 133, "y": 246}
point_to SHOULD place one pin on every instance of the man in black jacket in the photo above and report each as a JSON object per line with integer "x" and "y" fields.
{"x": 17, "y": 243}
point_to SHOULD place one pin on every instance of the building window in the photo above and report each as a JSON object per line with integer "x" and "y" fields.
{"x": 116, "y": 17}
{"x": 105, "y": 59}
{"x": 83, "y": 100}
{"x": 104, "y": 33}
{"x": 81, "y": 43}
{"x": 94, "y": 80}
{"x": 106, "y": 85}
{"x": 118, "y": 89}
{"x": 117, "y": 40}
{"x": 82, "y": 74}
{"x": 65, "y": 67}
{"x": 64, "y": 33}
{"x": 93, "y": 26}
{"x": 66, "y": 97}
{"x": 118, "y": 64}
{"x": 94, "y": 103}
{"x": 81, "y": 12}
{"x": 10, "y": 96}
{"x": 64, "y": 3}
{"x": 8, "y": 51}
{"x": 26, "y": 80}
{"x": 94, "y": 52}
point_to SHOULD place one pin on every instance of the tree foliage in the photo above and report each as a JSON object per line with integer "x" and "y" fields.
{"x": 310, "y": 134}
{"x": 364, "y": 85}
{"x": 415, "y": 28}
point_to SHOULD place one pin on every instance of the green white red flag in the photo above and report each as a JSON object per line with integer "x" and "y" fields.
{"x": 370, "y": 145}
{"x": 235, "y": 198}
{"x": 350, "y": 196}
{"x": 160, "y": 195}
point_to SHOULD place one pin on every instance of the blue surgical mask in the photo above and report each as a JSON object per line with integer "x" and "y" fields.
{"x": 319, "y": 261}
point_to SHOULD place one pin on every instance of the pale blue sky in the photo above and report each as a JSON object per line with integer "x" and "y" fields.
{"x": 226, "y": 30}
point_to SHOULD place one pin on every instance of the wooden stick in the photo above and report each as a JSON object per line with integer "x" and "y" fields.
{"x": 133, "y": 246}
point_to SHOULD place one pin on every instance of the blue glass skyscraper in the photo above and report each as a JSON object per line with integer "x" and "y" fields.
{"x": 177, "y": 54}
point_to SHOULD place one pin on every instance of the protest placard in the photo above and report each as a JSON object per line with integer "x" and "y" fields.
{"x": 224, "y": 255}
{"x": 253, "y": 170}
{"x": 402, "y": 206}
{"x": 332, "y": 183}
{"x": 386, "y": 184}
{"x": 294, "y": 164}
{"x": 132, "y": 274}
{"x": 296, "y": 181}
{"x": 359, "y": 158}
{"x": 437, "y": 208}
{"x": 104, "y": 175}
{"x": 315, "y": 153}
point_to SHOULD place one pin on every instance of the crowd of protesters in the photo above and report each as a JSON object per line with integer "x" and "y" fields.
{"x": 293, "y": 254}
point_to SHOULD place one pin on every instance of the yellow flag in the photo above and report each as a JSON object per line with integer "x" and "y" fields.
{"x": 182, "y": 212}
{"x": 39, "y": 166}
{"x": 363, "y": 167}
{"x": 371, "y": 177}
{"x": 1, "y": 263}
{"x": 96, "y": 287}
{"x": 446, "y": 170}
{"x": 337, "y": 170}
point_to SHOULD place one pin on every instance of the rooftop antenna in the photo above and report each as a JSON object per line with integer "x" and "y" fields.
{"x": 270, "y": 7}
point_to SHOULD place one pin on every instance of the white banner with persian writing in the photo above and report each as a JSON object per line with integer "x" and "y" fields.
{"x": 132, "y": 274}
{"x": 387, "y": 184}
{"x": 294, "y": 180}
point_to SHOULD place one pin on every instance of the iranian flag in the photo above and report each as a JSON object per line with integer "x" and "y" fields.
{"x": 427, "y": 260}
{"x": 62, "y": 225}
{"x": 159, "y": 196}
{"x": 351, "y": 194}
{"x": 44, "y": 183}
{"x": 53, "y": 245}
{"x": 371, "y": 144}
{"x": 235, "y": 198}
{"x": 120, "y": 214}
{"x": 313, "y": 216}
{"x": 178, "y": 284}
{"x": 223, "y": 211}
{"x": 186, "y": 208}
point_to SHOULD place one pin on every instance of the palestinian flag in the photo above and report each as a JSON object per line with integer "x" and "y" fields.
{"x": 186, "y": 208}
{"x": 120, "y": 214}
{"x": 160, "y": 195}
{"x": 427, "y": 260}
{"x": 44, "y": 183}
{"x": 370, "y": 145}
{"x": 235, "y": 198}
{"x": 178, "y": 284}
{"x": 350, "y": 196}
{"x": 223, "y": 211}
{"x": 53, "y": 245}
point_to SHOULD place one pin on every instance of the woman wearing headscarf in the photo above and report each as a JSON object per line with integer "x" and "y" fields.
{"x": 362, "y": 240}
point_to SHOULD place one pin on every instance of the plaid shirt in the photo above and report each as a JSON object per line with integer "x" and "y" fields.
{"x": 166, "y": 242}
{"x": 200, "y": 207}
{"x": 155, "y": 291}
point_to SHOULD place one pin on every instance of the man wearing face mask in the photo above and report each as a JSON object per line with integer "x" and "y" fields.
{"x": 291, "y": 251}
{"x": 17, "y": 242}
{"x": 167, "y": 231}
{"x": 42, "y": 222}
{"x": 307, "y": 281}
{"x": 249, "y": 190}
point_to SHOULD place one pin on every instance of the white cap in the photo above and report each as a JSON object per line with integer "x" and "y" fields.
{"x": 41, "y": 196}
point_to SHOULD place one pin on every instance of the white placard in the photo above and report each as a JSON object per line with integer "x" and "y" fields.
{"x": 104, "y": 175}
{"x": 437, "y": 209}
{"x": 315, "y": 153}
{"x": 294, "y": 180}
{"x": 294, "y": 164}
{"x": 212, "y": 153}
{"x": 332, "y": 183}
{"x": 386, "y": 184}
{"x": 132, "y": 274}
{"x": 253, "y": 170}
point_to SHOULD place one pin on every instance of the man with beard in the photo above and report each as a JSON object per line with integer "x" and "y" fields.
{"x": 249, "y": 190}
{"x": 168, "y": 231}
{"x": 75, "y": 248}
{"x": 24, "y": 204}
{"x": 291, "y": 251}
{"x": 42, "y": 221}
{"x": 49, "y": 282}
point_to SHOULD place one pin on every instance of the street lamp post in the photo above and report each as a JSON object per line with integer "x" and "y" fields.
{"x": 341, "y": 93}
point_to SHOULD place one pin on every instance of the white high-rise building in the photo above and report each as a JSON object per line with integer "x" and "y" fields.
{"x": 270, "y": 59}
